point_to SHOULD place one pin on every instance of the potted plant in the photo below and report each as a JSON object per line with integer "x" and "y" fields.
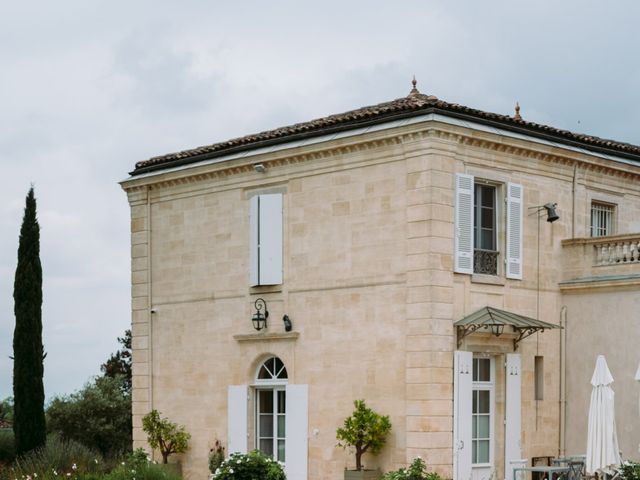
{"x": 166, "y": 436}
{"x": 366, "y": 431}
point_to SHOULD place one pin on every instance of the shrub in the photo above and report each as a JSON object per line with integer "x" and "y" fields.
{"x": 629, "y": 471}
{"x": 248, "y": 466}
{"x": 216, "y": 456}
{"x": 138, "y": 467}
{"x": 416, "y": 471}
{"x": 57, "y": 458}
{"x": 165, "y": 435}
{"x": 7, "y": 445}
{"x": 98, "y": 416}
{"x": 365, "y": 430}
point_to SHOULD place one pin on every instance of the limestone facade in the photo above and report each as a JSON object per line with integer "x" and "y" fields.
{"x": 368, "y": 244}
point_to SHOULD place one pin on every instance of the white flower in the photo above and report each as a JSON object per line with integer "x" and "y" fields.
{"x": 55, "y": 473}
{"x": 133, "y": 471}
{"x": 231, "y": 470}
{"x": 95, "y": 460}
{"x": 74, "y": 467}
{"x": 68, "y": 474}
{"x": 122, "y": 463}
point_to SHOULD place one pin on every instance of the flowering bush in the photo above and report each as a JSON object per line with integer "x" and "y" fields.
{"x": 629, "y": 471}
{"x": 249, "y": 466}
{"x": 416, "y": 471}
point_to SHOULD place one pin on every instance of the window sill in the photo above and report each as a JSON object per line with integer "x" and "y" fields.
{"x": 259, "y": 337}
{"x": 487, "y": 279}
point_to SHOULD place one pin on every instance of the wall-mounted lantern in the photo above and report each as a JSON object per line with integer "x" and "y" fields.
{"x": 259, "y": 318}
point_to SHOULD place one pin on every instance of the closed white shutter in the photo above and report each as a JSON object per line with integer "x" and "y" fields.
{"x": 271, "y": 239}
{"x": 513, "y": 421}
{"x": 514, "y": 231}
{"x": 254, "y": 225}
{"x": 237, "y": 404}
{"x": 462, "y": 414}
{"x": 463, "y": 255}
{"x": 265, "y": 239}
{"x": 296, "y": 428}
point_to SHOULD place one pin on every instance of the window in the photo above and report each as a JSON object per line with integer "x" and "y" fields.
{"x": 265, "y": 224}
{"x": 480, "y": 246}
{"x": 601, "y": 219}
{"x": 271, "y": 408}
{"x": 485, "y": 254}
{"x": 482, "y": 411}
{"x": 538, "y": 374}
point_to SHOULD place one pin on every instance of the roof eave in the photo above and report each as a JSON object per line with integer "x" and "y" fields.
{"x": 501, "y": 124}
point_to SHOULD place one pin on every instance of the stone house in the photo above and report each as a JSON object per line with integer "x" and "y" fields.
{"x": 409, "y": 254}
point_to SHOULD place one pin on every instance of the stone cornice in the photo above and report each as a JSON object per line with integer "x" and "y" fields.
{"x": 197, "y": 174}
{"x": 261, "y": 337}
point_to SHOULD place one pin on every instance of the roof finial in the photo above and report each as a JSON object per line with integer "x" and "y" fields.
{"x": 414, "y": 90}
{"x": 517, "y": 115}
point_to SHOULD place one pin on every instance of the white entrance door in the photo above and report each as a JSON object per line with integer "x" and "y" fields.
{"x": 512, "y": 433}
{"x": 482, "y": 418}
{"x": 463, "y": 368}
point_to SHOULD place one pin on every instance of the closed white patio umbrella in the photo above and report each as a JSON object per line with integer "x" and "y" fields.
{"x": 603, "y": 452}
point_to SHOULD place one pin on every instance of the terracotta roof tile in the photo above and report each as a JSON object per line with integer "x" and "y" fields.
{"x": 413, "y": 104}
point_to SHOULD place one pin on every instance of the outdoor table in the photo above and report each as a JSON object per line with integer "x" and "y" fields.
{"x": 542, "y": 469}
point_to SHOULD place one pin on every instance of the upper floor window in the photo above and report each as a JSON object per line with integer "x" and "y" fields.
{"x": 485, "y": 254}
{"x": 265, "y": 238}
{"x": 602, "y": 219}
{"x": 478, "y": 240}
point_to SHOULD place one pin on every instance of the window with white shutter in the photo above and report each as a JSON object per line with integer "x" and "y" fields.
{"x": 514, "y": 231}
{"x": 265, "y": 238}
{"x": 464, "y": 224}
{"x": 485, "y": 237}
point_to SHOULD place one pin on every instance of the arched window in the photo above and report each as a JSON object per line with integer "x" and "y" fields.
{"x": 272, "y": 370}
{"x": 271, "y": 379}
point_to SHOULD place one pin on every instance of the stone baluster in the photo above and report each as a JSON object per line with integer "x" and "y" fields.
{"x": 625, "y": 252}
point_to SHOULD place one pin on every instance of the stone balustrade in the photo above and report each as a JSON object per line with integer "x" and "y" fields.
{"x": 612, "y": 250}
{"x": 596, "y": 256}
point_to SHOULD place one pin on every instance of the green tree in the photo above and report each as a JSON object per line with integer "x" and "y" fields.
{"x": 119, "y": 363}
{"x": 165, "y": 435}
{"x": 98, "y": 416}
{"x": 28, "y": 352}
{"x": 365, "y": 430}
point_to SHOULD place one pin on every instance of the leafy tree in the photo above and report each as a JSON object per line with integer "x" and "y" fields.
{"x": 6, "y": 412}
{"x": 365, "y": 430}
{"x": 119, "y": 363}
{"x": 165, "y": 435}
{"x": 98, "y": 416}
{"x": 28, "y": 352}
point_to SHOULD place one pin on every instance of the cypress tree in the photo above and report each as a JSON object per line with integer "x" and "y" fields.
{"x": 28, "y": 352}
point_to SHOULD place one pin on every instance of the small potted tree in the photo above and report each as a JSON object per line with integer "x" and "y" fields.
{"x": 166, "y": 436}
{"x": 366, "y": 431}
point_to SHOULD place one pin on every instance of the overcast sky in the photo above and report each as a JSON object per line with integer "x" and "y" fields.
{"x": 87, "y": 88}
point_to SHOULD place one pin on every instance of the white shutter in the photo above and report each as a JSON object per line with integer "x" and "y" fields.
{"x": 254, "y": 223}
{"x": 296, "y": 428}
{"x": 514, "y": 231}
{"x": 463, "y": 255}
{"x": 265, "y": 239}
{"x": 462, "y": 414}
{"x": 513, "y": 421}
{"x": 237, "y": 403}
{"x": 270, "y": 267}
